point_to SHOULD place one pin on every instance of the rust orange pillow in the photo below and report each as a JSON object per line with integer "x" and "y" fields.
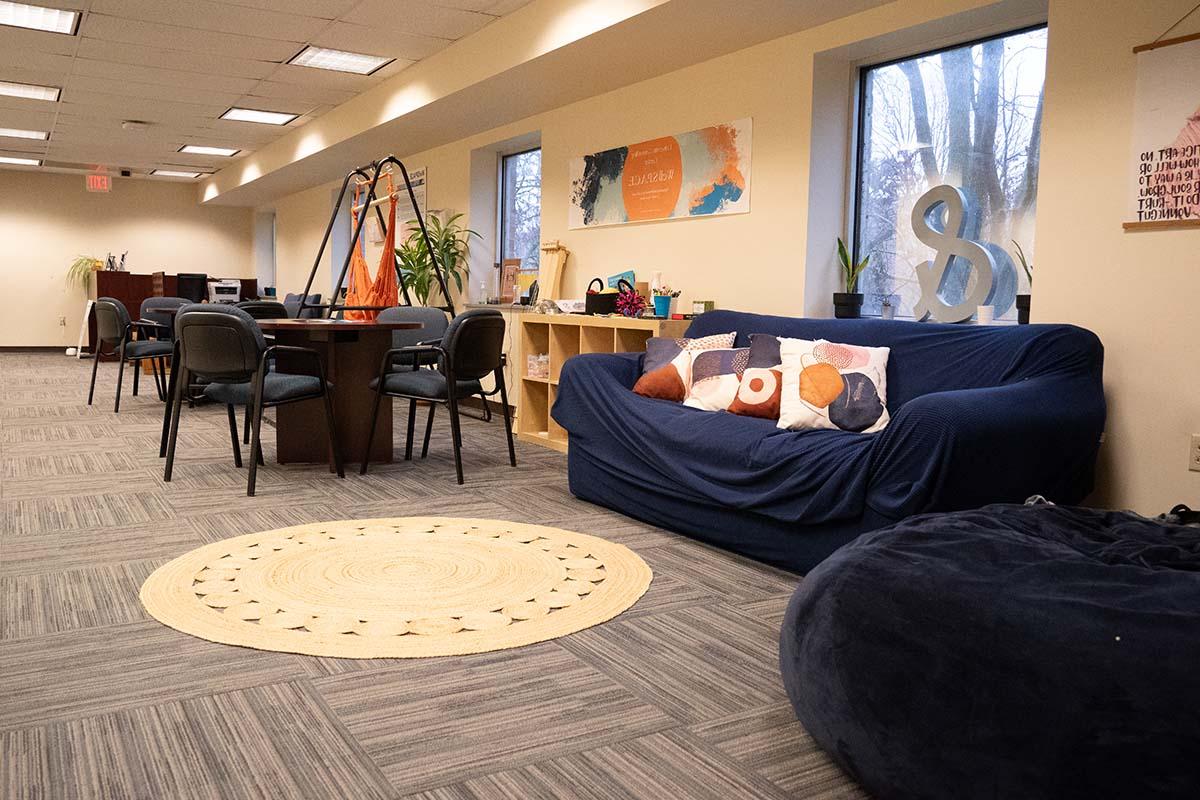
{"x": 758, "y": 393}
{"x": 667, "y": 368}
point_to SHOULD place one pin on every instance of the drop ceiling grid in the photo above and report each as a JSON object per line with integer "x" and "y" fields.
{"x": 179, "y": 65}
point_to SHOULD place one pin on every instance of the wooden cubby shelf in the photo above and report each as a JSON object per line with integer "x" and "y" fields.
{"x": 563, "y": 336}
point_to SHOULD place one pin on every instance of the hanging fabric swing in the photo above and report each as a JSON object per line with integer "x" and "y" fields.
{"x": 384, "y": 290}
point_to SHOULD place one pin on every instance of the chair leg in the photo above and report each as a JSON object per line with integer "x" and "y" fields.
{"x": 137, "y": 373}
{"x": 95, "y": 364}
{"x": 428, "y": 430}
{"x": 233, "y": 436}
{"x": 246, "y": 428}
{"x": 334, "y": 445}
{"x": 172, "y": 387}
{"x": 487, "y": 408}
{"x": 412, "y": 419}
{"x": 255, "y": 430}
{"x": 456, "y": 435}
{"x": 371, "y": 433}
{"x": 120, "y": 377}
{"x": 512, "y": 451}
{"x": 159, "y": 368}
{"x": 154, "y": 375}
{"x": 176, "y": 404}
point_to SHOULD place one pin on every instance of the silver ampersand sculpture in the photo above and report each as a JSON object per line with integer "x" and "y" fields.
{"x": 949, "y": 244}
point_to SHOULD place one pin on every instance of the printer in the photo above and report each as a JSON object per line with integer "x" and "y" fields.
{"x": 227, "y": 291}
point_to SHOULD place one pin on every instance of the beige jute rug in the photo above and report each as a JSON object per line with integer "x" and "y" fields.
{"x": 401, "y": 588}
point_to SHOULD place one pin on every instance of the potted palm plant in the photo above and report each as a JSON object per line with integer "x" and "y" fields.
{"x": 1023, "y": 299}
{"x": 451, "y": 244}
{"x": 848, "y": 304}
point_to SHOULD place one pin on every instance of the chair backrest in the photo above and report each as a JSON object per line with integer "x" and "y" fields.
{"x": 264, "y": 309}
{"x": 219, "y": 342}
{"x": 291, "y": 301}
{"x": 433, "y": 324}
{"x": 153, "y": 307}
{"x": 474, "y": 342}
{"x": 112, "y": 319}
{"x": 192, "y": 285}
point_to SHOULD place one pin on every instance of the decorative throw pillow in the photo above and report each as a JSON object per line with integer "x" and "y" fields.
{"x": 716, "y": 375}
{"x": 762, "y": 382}
{"x": 667, "y": 369}
{"x": 833, "y": 386}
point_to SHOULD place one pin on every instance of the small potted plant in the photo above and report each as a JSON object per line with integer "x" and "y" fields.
{"x": 1023, "y": 299}
{"x": 848, "y": 304}
{"x": 664, "y": 300}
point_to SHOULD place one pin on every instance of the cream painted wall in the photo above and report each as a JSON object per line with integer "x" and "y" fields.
{"x": 1138, "y": 291}
{"x": 47, "y": 220}
{"x": 300, "y": 221}
{"x": 752, "y": 261}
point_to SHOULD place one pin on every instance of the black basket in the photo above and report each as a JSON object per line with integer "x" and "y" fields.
{"x": 603, "y": 303}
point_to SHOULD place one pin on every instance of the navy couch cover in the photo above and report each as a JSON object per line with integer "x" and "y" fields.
{"x": 980, "y": 414}
{"x": 1033, "y": 652}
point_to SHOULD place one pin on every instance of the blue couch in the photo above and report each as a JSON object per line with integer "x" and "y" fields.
{"x": 979, "y": 415}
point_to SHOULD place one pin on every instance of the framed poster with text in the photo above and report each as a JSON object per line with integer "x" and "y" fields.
{"x": 1165, "y": 190}
{"x": 700, "y": 173}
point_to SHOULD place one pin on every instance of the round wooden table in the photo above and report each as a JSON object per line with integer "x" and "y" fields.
{"x": 352, "y": 352}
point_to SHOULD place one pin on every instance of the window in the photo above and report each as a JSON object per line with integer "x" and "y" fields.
{"x": 969, "y": 116}
{"x": 521, "y": 208}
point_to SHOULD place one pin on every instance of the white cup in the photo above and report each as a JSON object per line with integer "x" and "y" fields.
{"x": 985, "y": 315}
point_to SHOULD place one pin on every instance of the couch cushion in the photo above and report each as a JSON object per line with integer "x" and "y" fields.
{"x": 666, "y": 370}
{"x": 835, "y": 386}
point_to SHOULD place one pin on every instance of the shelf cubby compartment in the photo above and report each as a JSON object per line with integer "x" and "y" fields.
{"x": 595, "y": 340}
{"x": 564, "y": 344}
{"x": 535, "y": 407}
{"x": 631, "y": 340}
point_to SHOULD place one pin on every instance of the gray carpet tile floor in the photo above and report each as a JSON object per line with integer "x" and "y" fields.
{"x": 679, "y": 697}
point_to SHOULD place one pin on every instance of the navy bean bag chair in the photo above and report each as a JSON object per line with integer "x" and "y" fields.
{"x": 1009, "y": 652}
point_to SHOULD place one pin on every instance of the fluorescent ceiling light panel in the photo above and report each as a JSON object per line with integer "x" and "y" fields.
{"x": 254, "y": 115}
{"x": 171, "y": 173}
{"x": 201, "y": 150}
{"x": 339, "y": 60}
{"x": 29, "y": 91}
{"x": 21, "y": 162}
{"x": 21, "y": 15}
{"x": 20, "y": 133}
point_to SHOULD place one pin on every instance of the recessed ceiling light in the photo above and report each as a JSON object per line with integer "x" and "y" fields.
{"x": 20, "y": 133}
{"x": 201, "y": 150}
{"x": 22, "y": 162}
{"x": 21, "y": 15}
{"x": 254, "y": 115}
{"x": 172, "y": 173}
{"x": 339, "y": 60}
{"x": 29, "y": 91}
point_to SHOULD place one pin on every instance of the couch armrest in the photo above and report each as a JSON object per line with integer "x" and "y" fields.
{"x": 962, "y": 449}
{"x": 624, "y": 368}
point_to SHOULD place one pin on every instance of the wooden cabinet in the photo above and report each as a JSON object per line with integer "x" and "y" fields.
{"x": 561, "y": 336}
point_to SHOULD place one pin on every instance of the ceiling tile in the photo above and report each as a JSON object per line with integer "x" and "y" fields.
{"x": 419, "y": 17}
{"x": 21, "y": 58}
{"x": 375, "y": 41}
{"x": 27, "y": 119}
{"x": 324, "y": 9}
{"x": 164, "y": 77}
{"x": 173, "y": 37}
{"x": 154, "y": 58}
{"x": 38, "y": 41}
{"x": 211, "y": 16}
{"x": 311, "y": 95}
{"x": 197, "y": 93}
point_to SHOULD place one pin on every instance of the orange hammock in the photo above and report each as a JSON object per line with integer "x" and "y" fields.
{"x": 384, "y": 290}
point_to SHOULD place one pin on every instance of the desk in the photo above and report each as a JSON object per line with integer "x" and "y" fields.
{"x": 351, "y": 353}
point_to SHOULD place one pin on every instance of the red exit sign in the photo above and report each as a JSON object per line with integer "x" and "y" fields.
{"x": 99, "y": 183}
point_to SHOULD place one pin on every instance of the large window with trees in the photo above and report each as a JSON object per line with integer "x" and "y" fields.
{"x": 521, "y": 208}
{"x": 969, "y": 116}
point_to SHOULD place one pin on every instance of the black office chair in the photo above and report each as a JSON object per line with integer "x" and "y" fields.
{"x": 433, "y": 327}
{"x": 470, "y": 349}
{"x": 223, "y": 344}
{"x": 192, "y": 285}
{"x": 264, "y": 309}
{"x": 115, "y": 329}
{"x": 291, "y": 301}
{"x": 160, "y": 311}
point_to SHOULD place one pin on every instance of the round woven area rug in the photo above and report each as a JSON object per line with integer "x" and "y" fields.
{"x": 396, "y": 588}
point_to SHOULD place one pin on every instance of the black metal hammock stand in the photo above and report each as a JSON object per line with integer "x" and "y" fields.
{"x": 370, "y": 174}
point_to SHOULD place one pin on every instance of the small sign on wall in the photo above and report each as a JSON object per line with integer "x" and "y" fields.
{"x": 99, "y": 182}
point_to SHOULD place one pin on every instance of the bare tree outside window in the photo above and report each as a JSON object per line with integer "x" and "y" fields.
{"x": 968, "y": 116}
{"x": 521, "y": 208}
